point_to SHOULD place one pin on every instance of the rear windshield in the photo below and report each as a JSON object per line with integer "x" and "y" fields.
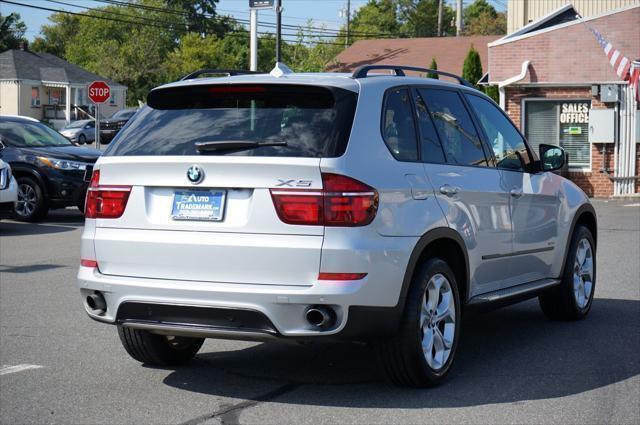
{"x": 312, "y": 121}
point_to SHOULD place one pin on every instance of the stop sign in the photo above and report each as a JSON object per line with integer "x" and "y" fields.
{"x": 99, "y": 91}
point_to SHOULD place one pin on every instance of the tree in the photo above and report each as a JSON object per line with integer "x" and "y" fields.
{"x": 492, "y": 92}
{"x": 377, "y": 16}
{"x": 201, "y": 16}
{"x": 434, "y": 66}
{"x": 472, "y": 67}
{"x": 420, "y": 18}
{"x": 480, "y": 18}
{"x": 12, "y": 30}
{"x": 55, "y": 36}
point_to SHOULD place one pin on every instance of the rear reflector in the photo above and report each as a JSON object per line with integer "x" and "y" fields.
{"x": 343, "y": 201}
{"x": 341, "y": 276}
{"x": 105, "y": 201}
{"x": 89, "y": 263}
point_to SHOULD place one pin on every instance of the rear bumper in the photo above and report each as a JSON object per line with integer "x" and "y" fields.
{"x": 362, "y": 308}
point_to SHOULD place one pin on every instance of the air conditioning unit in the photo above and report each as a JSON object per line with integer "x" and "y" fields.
{"x": 35, "y": 102}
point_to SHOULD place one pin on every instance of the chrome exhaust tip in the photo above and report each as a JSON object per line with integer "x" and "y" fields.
{"x": 320, "y": 316}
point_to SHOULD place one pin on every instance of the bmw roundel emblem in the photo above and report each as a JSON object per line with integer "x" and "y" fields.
{"x": 195, "y": 174}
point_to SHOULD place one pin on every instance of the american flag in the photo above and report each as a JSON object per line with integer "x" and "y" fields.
{"x": 620, "y": 63}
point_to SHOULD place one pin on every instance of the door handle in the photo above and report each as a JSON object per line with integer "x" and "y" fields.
{"x": 516, "y": 193}
{"x": 449, "y": 190}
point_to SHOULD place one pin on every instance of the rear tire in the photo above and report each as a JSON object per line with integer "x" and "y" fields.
{"x": 158, "y": 350}
{"x": 422, "y": 352}
{"x": 572, "y": 299}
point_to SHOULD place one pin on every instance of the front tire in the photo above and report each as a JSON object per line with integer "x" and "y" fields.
{"x": 158, "y": 350}
{"x": 31, "y": 204}
{"x": 82, "y": 139}
{"x": 572, "y": 299}
{"x": 423, "y": 351}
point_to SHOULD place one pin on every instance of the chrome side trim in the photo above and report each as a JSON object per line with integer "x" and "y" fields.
{"x": 513, "y": 254}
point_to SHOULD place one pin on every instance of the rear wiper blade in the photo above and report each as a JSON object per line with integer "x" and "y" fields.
{"x": 231, "y": 145}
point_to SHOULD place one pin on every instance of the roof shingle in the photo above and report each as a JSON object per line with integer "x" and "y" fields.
{"x": 25, "y": 65}
{"x": 449, "y": 52}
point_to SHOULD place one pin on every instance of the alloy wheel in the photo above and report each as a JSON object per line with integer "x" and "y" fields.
{"x": 583, "y": 273}
{"x": 27, "y": 200}
{"x": 437, "y": 321}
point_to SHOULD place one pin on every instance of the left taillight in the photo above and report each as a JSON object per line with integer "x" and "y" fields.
{"x": 105, "y": 201}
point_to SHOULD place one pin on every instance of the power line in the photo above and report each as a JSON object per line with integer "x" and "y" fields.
{"x": 246, "y": 22}
{"x": 164, "y": 25}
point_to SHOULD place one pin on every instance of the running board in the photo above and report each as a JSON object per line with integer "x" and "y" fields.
{"x": 513, "y": 294}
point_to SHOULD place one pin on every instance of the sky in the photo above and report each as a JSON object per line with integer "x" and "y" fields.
{"x": 296, "y": 12}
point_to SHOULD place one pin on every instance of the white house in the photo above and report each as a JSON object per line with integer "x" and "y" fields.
{"x": 45, "y": 87}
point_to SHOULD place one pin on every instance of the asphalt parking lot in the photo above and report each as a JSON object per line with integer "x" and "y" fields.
{"x": 513, "y": 366}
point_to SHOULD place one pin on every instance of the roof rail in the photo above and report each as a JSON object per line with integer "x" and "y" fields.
{"x": 225, "y": 72}
{"x": 362, "y": 71}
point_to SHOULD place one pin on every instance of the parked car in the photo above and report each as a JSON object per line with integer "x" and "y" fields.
{"x": 81, "y": 131}
{"x": 110, "y": 127}
{"x": 8, "y": 190}
{"x": 51, "y": 171}
{"x": 293, "y": 206}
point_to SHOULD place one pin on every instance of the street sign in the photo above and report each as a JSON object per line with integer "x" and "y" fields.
{"x": 98, "y": 92}
{"x": 259, "y": 4}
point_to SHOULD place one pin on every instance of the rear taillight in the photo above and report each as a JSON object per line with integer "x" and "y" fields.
{"x": 105, "y": 201}
{"x": 343, "y": 201}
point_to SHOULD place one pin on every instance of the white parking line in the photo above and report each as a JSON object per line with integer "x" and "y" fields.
{"x": 4, "y": 370}
{"x": 632, "y": 205}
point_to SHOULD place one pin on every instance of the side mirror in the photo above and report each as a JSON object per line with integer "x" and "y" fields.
{"x": 552, "y": 157}
{"x": 2, "y": 146}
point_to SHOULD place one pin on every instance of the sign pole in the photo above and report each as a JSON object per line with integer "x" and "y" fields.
{"x": 253, "y": 64}
{"x": 98, "y": 126}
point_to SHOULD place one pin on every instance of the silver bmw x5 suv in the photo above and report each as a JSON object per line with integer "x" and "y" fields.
{"x": 373, "y": 206}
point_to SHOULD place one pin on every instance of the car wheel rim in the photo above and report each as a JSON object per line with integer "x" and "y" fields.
{"x": 437, "y": 321}
{"x": 27, "y": 200}
{"x": 583, "y": 273}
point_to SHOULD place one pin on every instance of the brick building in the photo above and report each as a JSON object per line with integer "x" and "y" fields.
{"x": 557, "y": 84}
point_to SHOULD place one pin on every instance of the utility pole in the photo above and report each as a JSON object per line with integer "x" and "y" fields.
{"x": 348, "y": 22}
{"x": 253, "y": 43}
{"x": 440, "y": 16}
{"x": 278, "y": 25}
{"x": 459, "y": 19}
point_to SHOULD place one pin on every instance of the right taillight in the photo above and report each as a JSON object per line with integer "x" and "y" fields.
{"x": 343, "y": 201}
{"x": 105, "y": 201}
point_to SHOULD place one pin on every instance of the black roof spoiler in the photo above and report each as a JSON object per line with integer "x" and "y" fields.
{"x": 362, "y": 71}
{"x": 224, "y": 72}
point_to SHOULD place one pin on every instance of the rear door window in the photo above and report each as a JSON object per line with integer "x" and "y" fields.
{"x": 460, "y": 140}
{"x": 430, "y": 144}
{"x": 303, "y": 121}
{"x": 398, "y": 126}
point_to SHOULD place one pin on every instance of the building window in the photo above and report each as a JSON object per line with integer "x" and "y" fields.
{"x": 112, "y": 98}
{"x": 564, "y": 123}
{"x": 35, "y": 96}
{"x": 57, "y": 97}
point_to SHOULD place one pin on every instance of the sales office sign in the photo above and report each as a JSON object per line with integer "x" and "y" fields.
{"x": 574, "y": 113}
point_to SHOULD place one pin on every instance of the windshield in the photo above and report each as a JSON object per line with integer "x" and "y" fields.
{"x": 77, "y": 124}
{"x": 123, "y": 115}
{"x": 30, "y": 134}
{"x": 288, "y": 120}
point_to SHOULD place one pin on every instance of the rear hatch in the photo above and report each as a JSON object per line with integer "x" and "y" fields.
{"x": 200, "y": 162}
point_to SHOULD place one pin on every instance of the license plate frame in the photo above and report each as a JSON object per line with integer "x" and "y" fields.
{"x": 214, "y": 213}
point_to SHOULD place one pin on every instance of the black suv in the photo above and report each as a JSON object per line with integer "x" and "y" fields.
{"x": 110, "y": 127}
{"x": 51, "y": 171}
